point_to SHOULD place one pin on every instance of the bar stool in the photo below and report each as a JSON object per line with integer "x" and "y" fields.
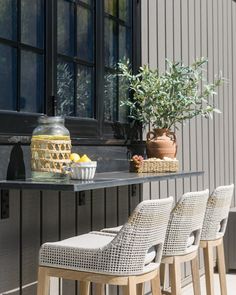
{"x": 128, "y": 258}
{"x": 182, "y": 240}
{"x": 213, "y": 231}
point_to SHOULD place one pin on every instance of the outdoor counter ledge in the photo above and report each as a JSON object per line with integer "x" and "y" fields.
{"x": 101, "y": 180}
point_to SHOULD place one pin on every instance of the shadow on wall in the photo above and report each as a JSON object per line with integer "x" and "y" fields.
{"x": 16, "y": 166}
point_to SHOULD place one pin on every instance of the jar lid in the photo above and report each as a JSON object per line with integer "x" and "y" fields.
{"x": 51, "y": 120}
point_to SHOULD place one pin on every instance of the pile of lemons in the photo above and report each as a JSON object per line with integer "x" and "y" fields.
{"x": 74, "y": 157}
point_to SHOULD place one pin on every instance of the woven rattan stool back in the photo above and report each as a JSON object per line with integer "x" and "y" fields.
{"x": 145, "y": 228}
{"x": 125, "y": 254}
{"x": 217, "y": 212}
{"x": 186, "y": 220}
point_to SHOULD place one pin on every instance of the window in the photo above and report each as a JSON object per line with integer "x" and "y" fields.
{"x": 22, "y": 55}
{"x": 60, "y": 57}
{"x": 76, "y": 65}
{"x": 118, "y": 46}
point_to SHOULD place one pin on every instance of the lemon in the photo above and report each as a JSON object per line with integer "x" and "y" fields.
{"x": 74, "y": 157}
{"x": 84, "y": 158}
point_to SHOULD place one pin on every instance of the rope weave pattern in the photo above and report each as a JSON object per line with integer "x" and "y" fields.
{"x": 125, "y": 254}
{"x": 217, "y": 212}
{"x": 154, "y": 165}
{"x": 50, "y": 155}
{"x": 185, "y": 219}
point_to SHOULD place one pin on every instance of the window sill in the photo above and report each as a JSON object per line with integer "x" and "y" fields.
{"x": 18, "y": 127}
{"x": 25, "y": 140}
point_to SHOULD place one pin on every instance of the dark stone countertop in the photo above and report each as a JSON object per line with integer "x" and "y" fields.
{"x": 101, "y": 180}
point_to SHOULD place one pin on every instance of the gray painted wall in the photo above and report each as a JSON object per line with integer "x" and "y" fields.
{"x": 183, "y": 30}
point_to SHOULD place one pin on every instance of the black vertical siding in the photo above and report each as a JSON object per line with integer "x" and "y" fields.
{"x": 10, "y": 247}
{"x": 37, "y": 217}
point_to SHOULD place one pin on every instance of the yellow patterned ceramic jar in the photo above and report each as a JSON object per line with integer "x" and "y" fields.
{"x": 50, "y": 148}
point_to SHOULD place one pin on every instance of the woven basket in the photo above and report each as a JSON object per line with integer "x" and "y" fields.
{"x": 155, "y": 165}
{"x": 50, "y": 155}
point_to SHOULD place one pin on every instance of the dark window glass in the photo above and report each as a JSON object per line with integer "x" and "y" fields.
{"x": 125, "y": 42}
{"x": 89, "y": 2}
{"x": 7, "y": 78}
{"x": 65, "y": 89}
{"x": 110, "y": 43}
{"x": 85, "y": 93}
{"x": 110, "y": 96}
{"x": 123, "y": 93}
{"x": 110, "y": 7}
{"x": 25, "y": 91}
{"x": 32, "y": 82}
{"x": 8, "y": 19}
{"x": 125, "y": 10}
{"x": 84, "y": 67}
{"x": 32, "y": 22}
{"x": 117, "y": 48}
{"x": 65, "y": 28}
{"x": 85, "y": 34}
{"x": 75, "y": 84}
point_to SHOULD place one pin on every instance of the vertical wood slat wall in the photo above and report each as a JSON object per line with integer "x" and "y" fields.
{"x": 183, "y": 30}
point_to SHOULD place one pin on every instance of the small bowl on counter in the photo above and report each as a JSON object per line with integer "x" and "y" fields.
{"x": 83, "y": 170}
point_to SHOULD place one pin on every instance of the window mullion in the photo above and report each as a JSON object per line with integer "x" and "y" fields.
{"x": 75, "y": 64}
{"x": 116, "y": 116}
{"x": 136, "y": 35}
{"x": 99, "y": 61}
{"x": 18, "y": 55}
{"x": 50, "y": 56}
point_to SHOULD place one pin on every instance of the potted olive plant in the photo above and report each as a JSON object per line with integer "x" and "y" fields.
{"x": 163, "y": 101}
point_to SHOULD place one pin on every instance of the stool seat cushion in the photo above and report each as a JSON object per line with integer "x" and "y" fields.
{"x": 217, "y": 236}
{"x": 114, "y": 230}
{"x": 79, "y": 252}
{"x": 92, "y": 240}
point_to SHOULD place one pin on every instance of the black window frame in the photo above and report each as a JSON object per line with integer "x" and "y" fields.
{"x": 85, "y": 130}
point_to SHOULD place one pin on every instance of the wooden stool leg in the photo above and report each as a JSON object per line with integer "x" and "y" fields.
{"x": 163, "y": 270}
{"x": 84, "y": 288}
{"x": 99, "y": 289}
{"x": 175, "y": 276}
{"x": 125, "y": 290}
{"x": 221, "y": 266}
{"x": 43, "y": 282}
{"x": 155, "y": 284}
{"x": 132, "y": 289}
{"x": 208, "y": 262}
{"x": 140, "y": 289}
{"x": 196, "y": 276}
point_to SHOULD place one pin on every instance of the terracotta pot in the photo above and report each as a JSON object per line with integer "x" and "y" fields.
{"x": 161, "y": 143}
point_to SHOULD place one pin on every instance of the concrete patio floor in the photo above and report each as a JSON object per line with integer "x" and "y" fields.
{"x": 231, "y": 285}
